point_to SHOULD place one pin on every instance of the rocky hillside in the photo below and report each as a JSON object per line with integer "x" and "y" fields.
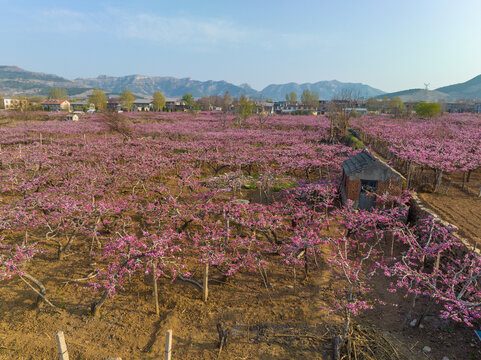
{"x": 171, "y": 87}
{"x": 16, "y": 81}
{"x": 326, "y": 89}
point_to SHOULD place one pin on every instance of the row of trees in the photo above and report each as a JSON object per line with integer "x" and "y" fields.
{"x": 99, "y": 99}
{"x": 396, "y": 107}
{"x": 127, "y": 99}
{"x": 58, "y": 93}
{"x": 307, "y": 98}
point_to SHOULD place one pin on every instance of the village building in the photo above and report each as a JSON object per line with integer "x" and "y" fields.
{"x": 72, "y": 117}
{"x": 9, "y": 104}
{"x": 113, "y": 104}
{"x": 142, "y": 105}
{"x": 364, "y": 174}
{"x": 14, "y": 104}
{"x": 175, "y": 105}
{"x": 55, "y": 105}
{"x": 355, "y": 110}
{"x": 265, "y": 107}
{"x": 83, "y": 106}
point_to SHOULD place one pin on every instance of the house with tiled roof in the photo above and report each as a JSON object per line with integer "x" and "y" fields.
{"x": 56, "y": 105}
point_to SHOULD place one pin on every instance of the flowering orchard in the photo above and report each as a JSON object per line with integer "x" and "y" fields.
{"x": 156, "y": 195}
{"x": 451, "y": 143}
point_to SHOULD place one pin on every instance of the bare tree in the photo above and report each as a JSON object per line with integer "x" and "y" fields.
{"x": 226, "y": 106}
{"x": 340, "y": 110}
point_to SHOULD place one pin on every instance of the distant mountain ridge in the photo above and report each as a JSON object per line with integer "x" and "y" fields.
{"x": 470, "y": 89}
{"x": 171, "y": 87}
{"x": 16, "y": 81}
{"x": 326, "y": 89}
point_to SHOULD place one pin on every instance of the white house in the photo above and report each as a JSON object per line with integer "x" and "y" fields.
{"x": 11, "y": 104}
{"x": 72, "y": 117}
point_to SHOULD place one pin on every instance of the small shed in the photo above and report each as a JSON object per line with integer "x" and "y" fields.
{"x": 72, "y": 117}
{"x": 365, "y": 173}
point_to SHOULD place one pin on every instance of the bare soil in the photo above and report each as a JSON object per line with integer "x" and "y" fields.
{"x": 461, "y": 207}
{"x": 264, "y": 323}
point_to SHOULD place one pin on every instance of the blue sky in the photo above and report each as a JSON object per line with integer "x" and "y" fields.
{"x": 390, "y": 45}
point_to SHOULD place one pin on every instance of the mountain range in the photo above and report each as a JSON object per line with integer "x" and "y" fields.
{"x": 17, "y": 81}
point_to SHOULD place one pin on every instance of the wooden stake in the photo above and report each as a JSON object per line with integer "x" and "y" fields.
{"x": 392, "y": 244}
{"x": 205, "y": 284}
{"x": 168, "y": 345}
{"x": 294, "y": 273}
{"x": 156, "y": 295}
{"x": 62, "y": 346}
{"x": 409, "y": 174}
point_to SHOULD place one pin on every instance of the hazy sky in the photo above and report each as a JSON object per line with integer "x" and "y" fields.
{"x": 390, "y": 45}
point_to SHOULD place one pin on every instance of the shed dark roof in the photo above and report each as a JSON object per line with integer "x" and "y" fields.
{"x": 357, "y": 162}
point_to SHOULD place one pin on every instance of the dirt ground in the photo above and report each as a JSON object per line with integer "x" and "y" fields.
{"x": 265, "y": 323}
{"x": 458, "y": 206}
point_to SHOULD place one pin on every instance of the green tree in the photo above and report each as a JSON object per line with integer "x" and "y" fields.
{"x": 246, "y": 108}
{"x": 314, "y": 99}
{"x": 227, "y": 102}
{"x": 57, "y": 93}
{"x": 2, "y": 105}
{"x": 291, "y": 97}
{"x": 306, "y": 97}
{"x": 99, "y": 99}
{"x": 373, "y": 104}
{"x": 188, "y": 100}
{"x": 159, "y": 101}
{"x": 442, "y": 106}
{"x": 384, "y": 104}
{"x": 127, "y": 100}
{"x": 396, "y": 106}
{"x": 22, "y": 104}
{"x": 425, "y": 109}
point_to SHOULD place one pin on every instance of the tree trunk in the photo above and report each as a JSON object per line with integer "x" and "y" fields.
{"x": 423, "y": 315}
{"x": 449, "y": 186}
{"x": 439, "y": 181}
{"x": 95, "y": 307}
{"x": 336, "y": 341}
{"x": 469, "y": 175}
{"x": 41, "y": 292}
